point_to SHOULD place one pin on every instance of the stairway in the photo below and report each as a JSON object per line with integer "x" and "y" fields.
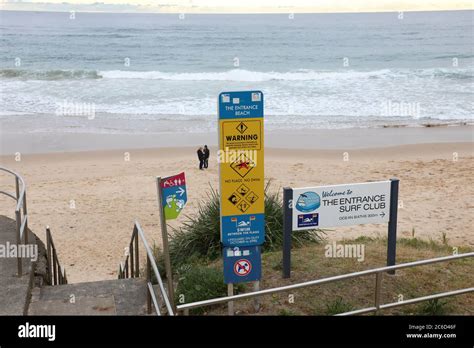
{"x": 41, "y": 288}
{"x": 107, "y": 297}
{"x": 30, "y": 295}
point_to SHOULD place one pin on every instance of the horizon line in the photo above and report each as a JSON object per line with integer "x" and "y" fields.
{"x": 238, "y": 13}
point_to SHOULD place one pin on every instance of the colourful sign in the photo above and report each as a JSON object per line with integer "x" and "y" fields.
{"x": 242, "y": 264}
{"x": 339, "y": 205}
{"x": 174, "y": 195}
{"x": 241, "y": 166}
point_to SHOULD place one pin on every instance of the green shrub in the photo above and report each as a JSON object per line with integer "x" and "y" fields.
{"x": 433, "y": 307}
{"x": 198, "y": 283}
{"x": 423, "y": 244}
{"x": 338, "y": 306}
{"x": 199, "y": 235}
{"x": 364, "y": 239}
{"x": 444, "y": 238}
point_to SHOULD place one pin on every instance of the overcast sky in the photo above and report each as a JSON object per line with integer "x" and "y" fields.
{"x": 235, "y": 6}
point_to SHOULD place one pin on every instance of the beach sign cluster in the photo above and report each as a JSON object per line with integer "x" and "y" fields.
{"x": 241, "y": 180}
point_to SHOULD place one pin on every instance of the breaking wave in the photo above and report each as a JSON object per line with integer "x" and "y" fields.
{"x": 239, "y": 75}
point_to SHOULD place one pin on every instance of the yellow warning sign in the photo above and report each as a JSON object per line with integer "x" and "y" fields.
{"x": 241, "y": 166}
{"x": 242, "y": 134}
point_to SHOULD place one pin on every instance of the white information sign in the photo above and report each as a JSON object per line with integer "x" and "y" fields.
{"x": 341, "y": 205}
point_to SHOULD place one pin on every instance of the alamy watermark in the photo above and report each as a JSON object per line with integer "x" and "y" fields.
{"x": 24, "y": 251}
{"x": 230, "y": 156}
{"x": 66, "y": 108}
{"x": 37, "y": 331}
{"x": 392, "y": 108}
{"x": 345, "y": 251}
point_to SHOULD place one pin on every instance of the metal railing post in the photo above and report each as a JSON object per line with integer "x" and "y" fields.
{"x": 25, "y": 216}
{"x": 56, "y": 274}
{"x": 132, "y": 259}
{"x": 55, "y": 268}
{"x": 378, "y": 287}
{"x": 17, "y": 188}
{"x": 48, "y": 250}
{"x": 137, "y": 258}
{"x": 148, "y": 279}
{"x": 18, "y": 242}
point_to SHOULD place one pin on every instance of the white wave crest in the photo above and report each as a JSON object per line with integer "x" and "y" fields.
{"x": 238, "y": 75}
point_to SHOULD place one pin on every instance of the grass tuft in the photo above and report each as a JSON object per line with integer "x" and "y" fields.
{"x": 433, "y": 307}
{"x": 198, "y": 283}
{"x": 338, "y": 306}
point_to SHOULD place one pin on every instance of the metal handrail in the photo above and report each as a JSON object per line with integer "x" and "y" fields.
{"x": 133, "y": 267}
{"x": 20, "y": 209}
{"x": 56, "y": 273}
{"x": 377, "y": 271}
{"x": 408, "y": 302}
{"x": 18, "y": 193}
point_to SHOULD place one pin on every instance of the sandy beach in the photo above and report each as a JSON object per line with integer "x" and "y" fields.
{"x": 91, "y": 198}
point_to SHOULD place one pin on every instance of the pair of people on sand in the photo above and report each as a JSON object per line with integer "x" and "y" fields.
{"x": 203, "y": 156}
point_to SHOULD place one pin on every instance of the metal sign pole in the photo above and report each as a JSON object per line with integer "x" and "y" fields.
{"x": 230, "y": 304}
{"x": 287, "y": 229}
{"x": 392, "y": 224}
{"x": 256, "y": 287}
{"x": 164, "y": 237}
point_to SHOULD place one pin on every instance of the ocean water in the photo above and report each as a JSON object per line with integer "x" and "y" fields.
{"x": 316, "y": 70}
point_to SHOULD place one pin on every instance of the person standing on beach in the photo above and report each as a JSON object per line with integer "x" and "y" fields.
{"x": 200, "y": 153}
{"x": 206, "y": 156}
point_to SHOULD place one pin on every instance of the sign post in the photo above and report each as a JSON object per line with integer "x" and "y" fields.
{"x": 340, "y": 205}
{"x": 230, "y": 305}
{"x": 241, "y": 182}
{"x": 172, "y": 198}
{"x": 256, "y": 303}
{"x": 287, "y": 230}
{"x": 241, "y": 168}
{"x": 392, "y": 224}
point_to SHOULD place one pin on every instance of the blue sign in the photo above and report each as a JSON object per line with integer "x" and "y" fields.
{"x": 243, "y": 230}
{"x": 308, "y": 220}
{"x": 240, "y": 104}
{"x": 174, "y": 195}
{"x": 242, "y": 264}
{"x": 308, "y": 201}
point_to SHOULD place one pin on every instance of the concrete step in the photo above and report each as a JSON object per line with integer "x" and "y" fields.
{"x": 107, "y": 297}
{"x": 14, "y": 290}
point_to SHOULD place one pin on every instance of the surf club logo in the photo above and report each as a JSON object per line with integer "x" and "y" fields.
{"x": 308, "y": 201}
